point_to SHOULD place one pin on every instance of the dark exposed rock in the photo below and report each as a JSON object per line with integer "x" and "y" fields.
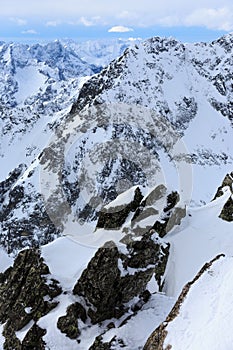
{"x": 96, "y": 85}
{"x": 112, "y": 344}
{"x": 98, "y": 283}
{"x": 33, "y": 229}
{"x": 99, "y": 345}
{"x": 172, "y": 215}
{"x": 11, "y": 341}
{"x": 68, "y": 324}
{"x": 23, "y": 290}
{"x": 9, "y": 182}
{"x": 143, "y": 252}
{"x": 227, "y": 181}
{"x": 114, "y": 219}
{"x": 104, "y": 287}
{"x": 143, "y": 299}
{"x": 33, "y": 339}
{"x": 227, "y": 210}
{"x": 156, "y": 194}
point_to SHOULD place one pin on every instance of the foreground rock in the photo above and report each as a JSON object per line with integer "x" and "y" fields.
{"x": 26, "y": 294}
{"x": 113, "y": 287}
{"x": 113, "y": 279}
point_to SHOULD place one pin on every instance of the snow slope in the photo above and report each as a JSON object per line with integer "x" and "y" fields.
{"x": 205, "y": 317}
{"x": 201, "y": 237}
{"x": 184, "y": 84}
{"x": 5, "y": 260}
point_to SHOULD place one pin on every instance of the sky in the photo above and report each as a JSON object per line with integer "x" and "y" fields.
{"x": 41, "y": 20}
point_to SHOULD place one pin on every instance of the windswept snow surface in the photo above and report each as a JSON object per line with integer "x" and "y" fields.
{"x": 136, "y": 331}
{"x": 205, "y": 318}
{"x": 123, "y": 199}
{"x": 5, "y": 260}
{"x": 202, "y": 236}
{"x": 29, "y": 80}
{"x": 66, "y": 260}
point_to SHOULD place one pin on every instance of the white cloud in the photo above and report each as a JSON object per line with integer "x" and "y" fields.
{"x": 18, "y": 21}
{"x": 86, "y": 22}
{"x": 120, "y": 29}
{"x": 170, "y": 21}
{"x": 129, "y": 13}
{"x": 53, "y": 23}
{"x": 29, "y": 31}
{"x": 221, "y": 18}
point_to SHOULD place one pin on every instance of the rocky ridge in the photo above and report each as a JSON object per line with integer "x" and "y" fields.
{"x": 113, "y": 286}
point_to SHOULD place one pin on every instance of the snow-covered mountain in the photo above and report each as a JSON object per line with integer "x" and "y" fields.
{"x": 160, "y": 112}
{"x": 115, "y": 296}
{"x": 101, "y": 52}
{"x": 133, "y": 167}
{"x": 37, "y": 82}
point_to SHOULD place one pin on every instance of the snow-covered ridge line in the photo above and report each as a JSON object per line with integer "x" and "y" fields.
{"x": 158, "y": 337}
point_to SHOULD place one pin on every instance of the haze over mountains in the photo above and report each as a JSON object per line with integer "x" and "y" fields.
{"x": 127, "y": 142}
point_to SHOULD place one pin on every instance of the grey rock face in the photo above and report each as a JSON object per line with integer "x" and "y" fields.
{"x": 68, "y": 324}
{"x": 33, "y": 226}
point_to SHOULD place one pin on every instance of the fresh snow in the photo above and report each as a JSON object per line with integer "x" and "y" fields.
{"x": 66, "y": 260}
{"x": 29, "y": 80}
{"x": 205, "y": 317}
{"x": 123, "y": 198}
{"x": 136, "y": 331}
{"x": 5, "y": 260}
{"x": 204, "y": 321}
{"x": 201, "y": 237}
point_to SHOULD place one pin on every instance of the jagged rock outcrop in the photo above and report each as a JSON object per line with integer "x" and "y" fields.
{"x": 26, "y": 294}
{"x": 114, "y": 217}
{"x": 227, "y": 210}
{"x": 33, "y": 339}
{"x": 99, "y": 345}
{"x": 113, "y": 343}
{"x": 115, "y": 281}
{"x": 112, "y": 278}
